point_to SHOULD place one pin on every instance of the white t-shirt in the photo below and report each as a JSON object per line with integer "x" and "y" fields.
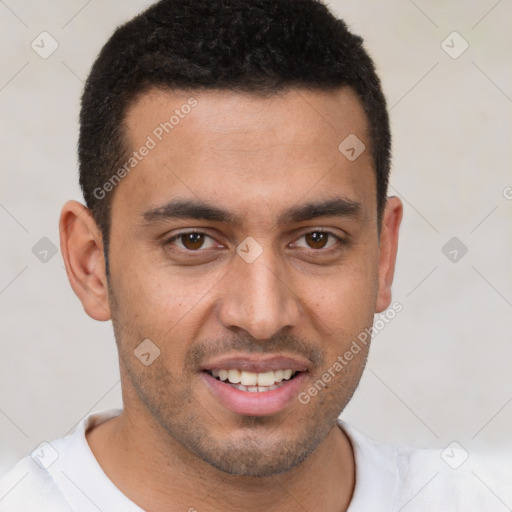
{"x": 64, "y": 476}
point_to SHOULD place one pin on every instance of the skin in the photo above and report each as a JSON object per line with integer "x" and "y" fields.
{"x": 175, "y": 446}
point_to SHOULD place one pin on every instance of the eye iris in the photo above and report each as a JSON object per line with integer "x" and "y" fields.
{"x": 317, "y": 239}
{"x": 192, "y": 240}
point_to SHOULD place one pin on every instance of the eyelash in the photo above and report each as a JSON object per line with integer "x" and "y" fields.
{"x": 169, "y": 241}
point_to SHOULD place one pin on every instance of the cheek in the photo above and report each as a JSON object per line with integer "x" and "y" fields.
{"x": 345, "y": 298}
{"x": 157, "y": 303}
{"x": 342, "y": 307}
{"x": 158, "y": 293}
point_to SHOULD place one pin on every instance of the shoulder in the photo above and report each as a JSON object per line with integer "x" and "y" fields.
{"x": 28, "y": 487}
{"x": 45, "y": 480}
{"x": 410, "y": 479}
{"x": 453, "y": 478}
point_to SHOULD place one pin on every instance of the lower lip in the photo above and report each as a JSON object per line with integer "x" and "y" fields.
{"x": 261, "y": 403}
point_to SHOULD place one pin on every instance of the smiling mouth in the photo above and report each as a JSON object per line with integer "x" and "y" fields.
{"x": 253, "y": 382}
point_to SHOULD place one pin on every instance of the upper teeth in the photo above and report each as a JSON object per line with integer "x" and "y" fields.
{"x": 251, "y": 378}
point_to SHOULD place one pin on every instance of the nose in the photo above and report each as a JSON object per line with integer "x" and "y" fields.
{"x": 259, "y": 297}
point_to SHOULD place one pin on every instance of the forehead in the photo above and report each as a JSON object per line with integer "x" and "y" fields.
{"x": 243, "y": 150}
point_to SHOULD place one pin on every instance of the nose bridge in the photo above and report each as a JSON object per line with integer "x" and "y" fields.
{"x": 257, "y": 298}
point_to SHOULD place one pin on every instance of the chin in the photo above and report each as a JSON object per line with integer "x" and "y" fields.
{"x": 250, "y": 458}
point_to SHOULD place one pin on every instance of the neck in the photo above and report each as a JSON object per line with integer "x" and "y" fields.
{"x": 158, "y": 474}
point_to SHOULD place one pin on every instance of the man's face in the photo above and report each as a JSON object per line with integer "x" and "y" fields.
{"x": 273, "y": 284}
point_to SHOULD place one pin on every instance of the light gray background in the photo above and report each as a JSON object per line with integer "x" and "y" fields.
{"x": 440, "y": 371}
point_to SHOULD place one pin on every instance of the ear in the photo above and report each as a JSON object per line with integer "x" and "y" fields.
{"x": 388, "y": 247}
{"x": 81, "y": 244}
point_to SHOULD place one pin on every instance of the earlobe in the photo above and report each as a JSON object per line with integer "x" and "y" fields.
{"x": 388, "y": 247}
{"x": 82, "y": 250}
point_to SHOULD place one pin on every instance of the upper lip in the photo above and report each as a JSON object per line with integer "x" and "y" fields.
{"x": 252, "y": 363}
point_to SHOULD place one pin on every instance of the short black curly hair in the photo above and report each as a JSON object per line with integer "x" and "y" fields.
{"x": 256, "y": 46}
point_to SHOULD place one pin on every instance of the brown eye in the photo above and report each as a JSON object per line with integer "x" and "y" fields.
{"x": 192, "y": 241}
{"x": 317, "y": 239}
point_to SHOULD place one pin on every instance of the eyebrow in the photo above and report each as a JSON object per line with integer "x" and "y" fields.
{"x": 200, "y": 210}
